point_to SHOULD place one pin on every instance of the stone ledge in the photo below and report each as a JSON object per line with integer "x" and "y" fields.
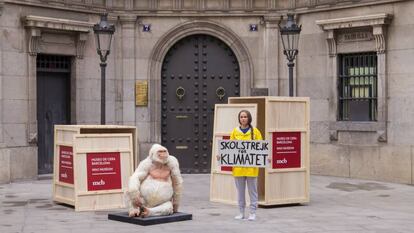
{"x": 57, "y": 24}
{"x": 348, "y": 126}
{"x": 357, "y": 21}
{"x": 357, "y": 126}
{"x": 38, "y": 24}
{"x": 200, "y": 10}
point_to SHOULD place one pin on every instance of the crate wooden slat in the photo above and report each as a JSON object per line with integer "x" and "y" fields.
{"x": 66, "y": 132}
{"x": 274, "y": 115}
{"x": 85, "y": 139}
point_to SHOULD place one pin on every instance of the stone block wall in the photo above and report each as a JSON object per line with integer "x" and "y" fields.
{"x": 356, "y": 152}
{"x": 347, "y": 152}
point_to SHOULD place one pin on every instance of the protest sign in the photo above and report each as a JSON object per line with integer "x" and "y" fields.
{"x": 236, "y": 153}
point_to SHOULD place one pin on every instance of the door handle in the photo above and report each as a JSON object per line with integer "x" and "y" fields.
{"x": 48, "y": 116}
{"x": 180, "y": 92}
{"x": 221, "y": 92}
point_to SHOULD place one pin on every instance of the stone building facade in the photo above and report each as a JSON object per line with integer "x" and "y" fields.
{"x": 354, "y": 63}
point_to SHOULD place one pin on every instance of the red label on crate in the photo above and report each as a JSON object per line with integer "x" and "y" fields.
{"x": 226, "y": 168}
{"x": 286, "y": 150}
{"x": 104, "y": 171}
{"x": 66, "y": 164}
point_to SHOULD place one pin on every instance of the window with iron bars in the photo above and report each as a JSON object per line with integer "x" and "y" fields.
{"x": 357, "y": 87}
{"x": 53, "y": 63}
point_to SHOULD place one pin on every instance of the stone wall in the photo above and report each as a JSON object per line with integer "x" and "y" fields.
{"x": 18, "y": 49}
{"x": 358, "y": 151}
{"x": 18, "y": 158}
{"x": 380, "y": 151}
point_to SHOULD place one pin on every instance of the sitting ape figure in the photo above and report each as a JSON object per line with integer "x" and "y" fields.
{"x": 155, "y": 187}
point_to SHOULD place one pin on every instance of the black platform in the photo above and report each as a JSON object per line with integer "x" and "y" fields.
{"x": 123, "y": 217}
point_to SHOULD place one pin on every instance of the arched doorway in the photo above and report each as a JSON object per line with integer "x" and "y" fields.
{"x": 197, "y": 72}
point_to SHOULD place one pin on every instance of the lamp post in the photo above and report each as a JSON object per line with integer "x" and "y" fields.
{"x": 103, "y": 36}
{"x": 290, "y": 39}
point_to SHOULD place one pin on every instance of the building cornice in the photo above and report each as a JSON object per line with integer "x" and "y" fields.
{"x": 57, "y": 24}
{"x": 357, "y": 21}
{"x": 38, "y": 24}
{"x": 377, "y": 22}
{"x": 272, "y": 18}
{"x": 200, "y": 9}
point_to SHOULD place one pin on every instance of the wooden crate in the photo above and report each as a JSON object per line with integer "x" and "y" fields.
{"x": 286, "y": 181}
{"x": 83, "y": 153}
{"x": 222, "y": 187}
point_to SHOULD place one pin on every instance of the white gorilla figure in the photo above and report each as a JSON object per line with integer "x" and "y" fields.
{"x": 155, "y": 187}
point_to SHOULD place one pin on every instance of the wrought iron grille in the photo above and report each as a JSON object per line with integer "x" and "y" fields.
{"x": 53, "y": 63}
{"x": 357, "y": 87}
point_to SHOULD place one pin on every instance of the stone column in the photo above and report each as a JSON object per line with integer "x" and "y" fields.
{"x": 117, "y": 53}
{"x": 379, "y": 35}
{"x": 77, "y": 73}
{"x": 332, "y": 75}
{"x": 271, "y": 48}
{"x": 34, "y": 40}
{"x": 4, "y": 153}
{"x": 128, "y": 27}
{"x": 129, "y": 5}
{"x": 1, "y": 81}
{"x": 144, "y": 42}
{"x": 1, "y": 86}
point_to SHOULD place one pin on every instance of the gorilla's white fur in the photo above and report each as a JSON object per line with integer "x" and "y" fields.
{"x": 156, "y": 196}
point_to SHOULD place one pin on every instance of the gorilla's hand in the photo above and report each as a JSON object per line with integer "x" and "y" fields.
{"x": 137, "y": 201}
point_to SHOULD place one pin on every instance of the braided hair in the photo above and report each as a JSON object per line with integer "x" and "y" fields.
{"x": 249, "y": 121}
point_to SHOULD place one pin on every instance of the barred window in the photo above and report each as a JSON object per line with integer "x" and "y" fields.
{"x": 357, "y": 87}
{"x": 53, "y": 63}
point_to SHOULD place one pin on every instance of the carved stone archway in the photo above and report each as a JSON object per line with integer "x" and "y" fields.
{"x": 174, "y": 35}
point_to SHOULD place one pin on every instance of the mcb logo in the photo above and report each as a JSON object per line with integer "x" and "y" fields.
{"x": 98, "y": 183}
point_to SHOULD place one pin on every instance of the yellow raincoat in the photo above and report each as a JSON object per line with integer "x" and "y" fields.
{"x": 237, "y": 134}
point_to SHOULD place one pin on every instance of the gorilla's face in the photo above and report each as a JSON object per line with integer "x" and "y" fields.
{"x": 161, "y": 156}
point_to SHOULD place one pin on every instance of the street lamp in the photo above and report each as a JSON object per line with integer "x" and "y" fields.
{"x": 290, "y": 40}
{"x": 103, "y": 36}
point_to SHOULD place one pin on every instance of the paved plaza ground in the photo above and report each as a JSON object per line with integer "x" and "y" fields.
{"x": 337, "y": 205}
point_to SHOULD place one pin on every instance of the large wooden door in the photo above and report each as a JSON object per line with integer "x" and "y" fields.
{"x": 53, "y": 99}
{"x": 197, "y": 72}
